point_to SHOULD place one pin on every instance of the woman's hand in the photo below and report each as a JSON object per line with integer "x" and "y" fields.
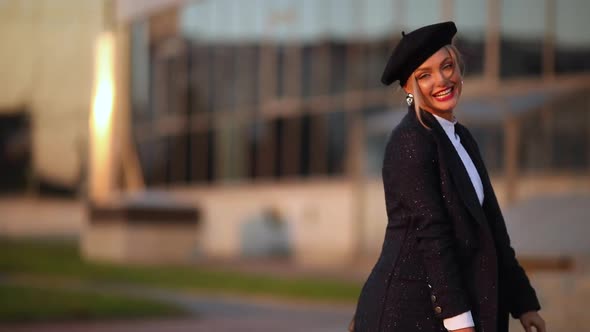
{"x": 351, "y": 325}
{"x": 530, "y": 319}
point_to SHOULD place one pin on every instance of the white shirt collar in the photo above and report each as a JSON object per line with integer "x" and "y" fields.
{"x": 448, "y": 126}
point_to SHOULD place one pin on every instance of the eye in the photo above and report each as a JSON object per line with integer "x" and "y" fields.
{"x": 422, "y": 76}
{"x": 448, "y": 65}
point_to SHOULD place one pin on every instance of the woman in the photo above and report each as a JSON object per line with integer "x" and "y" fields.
{"x": 446, "y": 261}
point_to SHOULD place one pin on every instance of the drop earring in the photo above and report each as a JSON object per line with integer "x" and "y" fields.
{"x": 410, "y": 99}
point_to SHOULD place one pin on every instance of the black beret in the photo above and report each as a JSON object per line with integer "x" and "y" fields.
{"x": 415, "y": 48}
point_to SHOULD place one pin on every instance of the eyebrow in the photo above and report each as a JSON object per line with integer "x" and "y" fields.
{"x": 422, "y": 69}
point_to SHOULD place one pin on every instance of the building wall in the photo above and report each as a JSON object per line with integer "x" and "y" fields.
{"x": 46, "y": 66}
{"x": 318, "y": 216}
{"x": 242, "y": 109}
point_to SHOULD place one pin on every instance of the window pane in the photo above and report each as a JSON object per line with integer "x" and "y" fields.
{"x": 490, "y": 139}
{"x": 231, "y": 151}
{"x": 305, "y": 143}
{"x": 157, "y": 152}
{"x": 307, "y": 56}
{"x": 318, "y": 148}
{"x": 522, "y": 39}
{"x": 279, "y": 145}
{"x": 178, "y": 154}
{"x": 379, "y": 121}
{"x": 224, "y": 77}
{"x": 376, "y": 56}
{"x": 246, "y": 76}
{"x": 471, "y": 17}
{"x": 262, "y": 139}
{"x": 280, "y": 53}
{"x": 290, "y": 152}
{"x": 199, "y": 156}
{"x": 338, "y": 68}
{"x": 140, "y": 69}
{"x": 337, "y": 138}
{"x": 253, "y": 139}
{"x": 199, "y": 81}
{"x": 572, "y": 37}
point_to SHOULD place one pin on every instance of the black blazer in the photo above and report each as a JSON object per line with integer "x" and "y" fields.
{"x": 443, "y": 252}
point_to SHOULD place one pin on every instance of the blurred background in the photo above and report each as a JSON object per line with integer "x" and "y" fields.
{"x": 215, "y": 164}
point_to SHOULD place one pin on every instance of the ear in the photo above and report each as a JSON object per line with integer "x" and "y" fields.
{"x": 410, "y": 85}
{"x": 407, "y": 88}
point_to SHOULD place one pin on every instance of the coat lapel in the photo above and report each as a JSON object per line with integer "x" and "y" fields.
{"x": 457, "y": 170}
{"x": 471, "y": 148}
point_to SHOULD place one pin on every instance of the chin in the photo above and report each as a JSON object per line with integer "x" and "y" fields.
{"x": 441, "y": 109}
{"x": 446, "y": 106}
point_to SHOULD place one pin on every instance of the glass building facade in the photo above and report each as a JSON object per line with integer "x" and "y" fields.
{"x": 241, "y": 91}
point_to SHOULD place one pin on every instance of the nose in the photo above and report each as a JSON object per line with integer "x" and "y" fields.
{"x": 441, "y": 79}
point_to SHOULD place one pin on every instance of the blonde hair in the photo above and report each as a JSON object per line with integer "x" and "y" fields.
{"x": 457, "y": 59}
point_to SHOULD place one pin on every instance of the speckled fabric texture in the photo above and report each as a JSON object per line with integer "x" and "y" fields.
{"x": 443, "y": 253}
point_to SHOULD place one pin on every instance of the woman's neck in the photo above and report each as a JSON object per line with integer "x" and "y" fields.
{"x": 447, "y": 115}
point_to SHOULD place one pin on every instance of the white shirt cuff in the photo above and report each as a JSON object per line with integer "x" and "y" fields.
{"x": 459, "y": 322}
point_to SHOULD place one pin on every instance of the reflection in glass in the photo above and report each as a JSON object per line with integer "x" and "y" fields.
{"x": 572, "y": 45}
{"x": 521, "y": 48}
{"x": 471, "y": 17}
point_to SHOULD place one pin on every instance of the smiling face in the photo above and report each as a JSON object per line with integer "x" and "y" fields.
{"x": 438, "y": 80}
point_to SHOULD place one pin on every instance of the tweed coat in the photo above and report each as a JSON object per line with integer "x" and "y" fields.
{"x": 444, "y": 253}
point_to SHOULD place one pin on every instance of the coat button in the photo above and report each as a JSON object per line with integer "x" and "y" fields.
{"x": 429, "y": 286}
{"x": 433, "y": 298}
{"x": 437, "y": 310}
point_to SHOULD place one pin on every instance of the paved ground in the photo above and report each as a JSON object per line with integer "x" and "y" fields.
{"x": 562, "y": 295}
{"x": 553, "y": 226}
{"x": 187, "y": 325}
{"x": 210, "y": 313}
{"x": 64, "y": 218}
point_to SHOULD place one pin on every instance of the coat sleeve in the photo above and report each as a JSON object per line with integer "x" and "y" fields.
{"x": 517, "y": 287}
{"x": 412, "y": 188}
{"x": 520, "y": 295}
